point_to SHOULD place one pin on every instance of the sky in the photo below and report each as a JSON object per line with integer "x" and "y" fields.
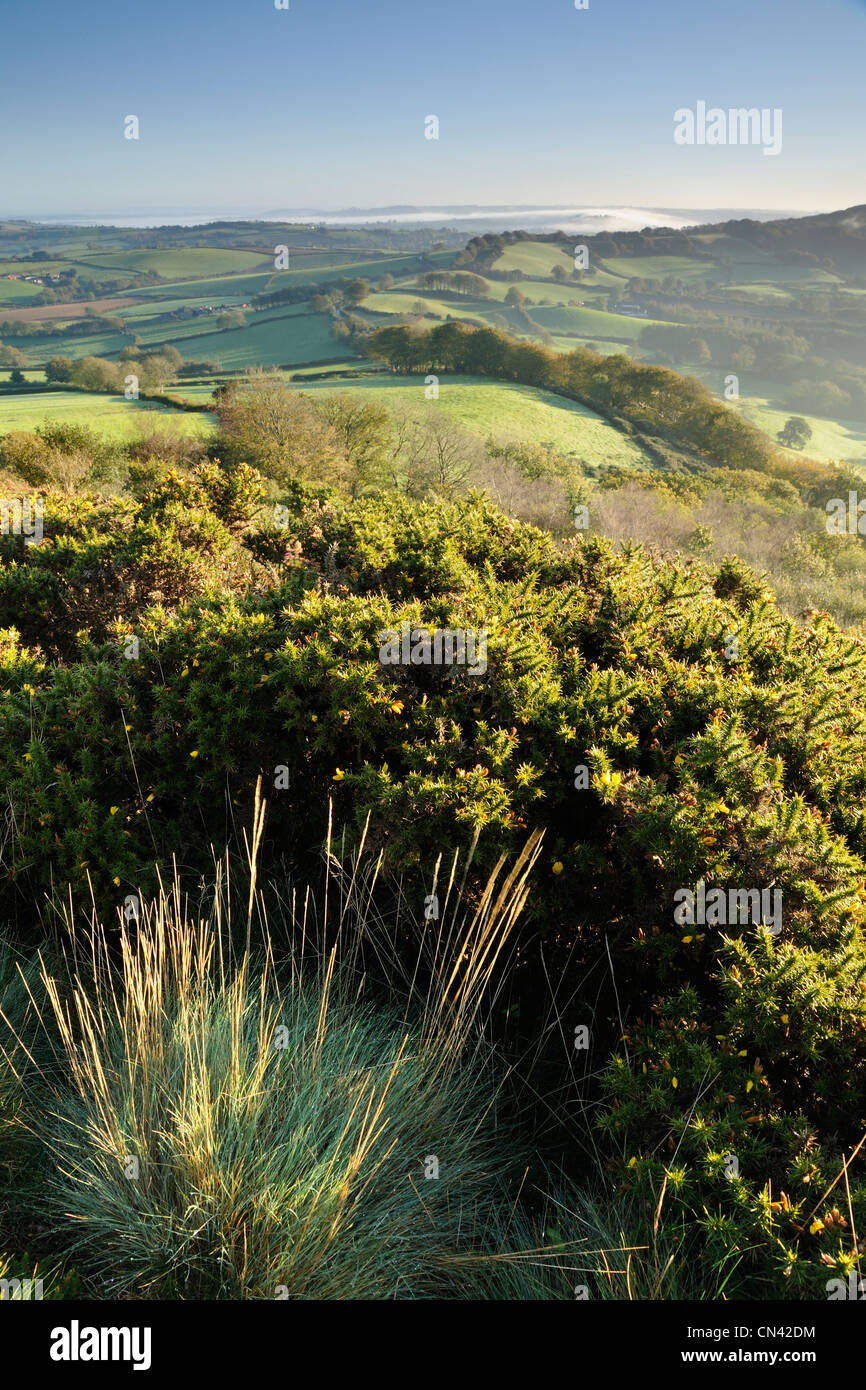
{"x": 247, "y": 109}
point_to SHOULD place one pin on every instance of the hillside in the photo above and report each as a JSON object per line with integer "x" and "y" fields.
{"x": 432, "y": 737}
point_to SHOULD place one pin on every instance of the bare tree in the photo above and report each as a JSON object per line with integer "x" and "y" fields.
{"x": 432, "y": 454}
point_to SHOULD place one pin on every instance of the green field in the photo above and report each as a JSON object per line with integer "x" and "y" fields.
{"x": 539, "y": 257}
{"x": 63, "y": 345}
{"x": 536, "y": 290}
{"x": 556, "y": 316}
{"x": 659, "y": 267}
{"x": 271, "y": 338}
{"x": 18, "y": 289}
{"x": 604, "y": 349}
{"x": 199, "y": 393}
{"x": 291, "y": 336}
{"x": 181, "y": 331}
{"x": 372, "y": 270}
{"x": 243, "y": 285}
{"x": 334, "y": 369}
{"x": 31, "y": 374}
{"x": 534, "y": 258}
{"x": 181, "y": 262}
{"x": 761, "y": 292}
{"x": 831, "y": 439}
{"x": 110, "y": 415}
{"x": 508, "y": 411}
{"x": 268, "y": 282}
{"x": 271, "y": 342}
{"x": 402, "y": 302}
{"x": 32, "y": 267}
{"x": 591, "y": 322}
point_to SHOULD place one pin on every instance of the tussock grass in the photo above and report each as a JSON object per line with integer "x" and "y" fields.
{"x": 235, "y": 1130}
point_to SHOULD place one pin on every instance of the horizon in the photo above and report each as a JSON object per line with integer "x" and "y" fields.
{"x": 542, "y": 218}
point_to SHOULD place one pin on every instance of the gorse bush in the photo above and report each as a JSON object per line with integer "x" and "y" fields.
{"x": 661, "y": 721}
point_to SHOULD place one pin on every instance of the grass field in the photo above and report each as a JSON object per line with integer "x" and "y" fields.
{"x": 589, "y": 322}
{"x": 181, "y": 262}
{"x": 214, "y": 288}
{"x": 508, "y": 411}
{"x": 352, "y": 364}
{"x": 403, "y": 301}
{"x": 289, "y": 335}
{"x": 12, "y": 290}
{"x": 32, "y": 267}
{"x": 268, "y": 342}
{"x": 536, "y": 290}
{"x": 262, "y": 343}
{"x": 199, "y": 393}
{"x": 31, "y": 374}
{"x": 93, "y": 345}
{"x": 831, "y": 439}
{"x": 748, "y": 265}
{"x": 112, "y": 416}
{"x": 557, "y": 317}
{"x": 569, "y": 344}
{"x": 539, "y": 258}
{"x": 760, "y": 292}
{"x": 98, "y": 269}
{"x": 372, "y": 270}
{"x": 181, "y": 331}
{"x": 658, "y": 267}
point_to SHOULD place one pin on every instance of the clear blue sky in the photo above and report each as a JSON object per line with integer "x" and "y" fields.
{"x": 243, "y": 106}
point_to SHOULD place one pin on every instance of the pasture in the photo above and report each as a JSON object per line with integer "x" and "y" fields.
{"x": 684, "y": 268}
{"x": 534, "y": 258}
{"x": 213, "y": 287}
{"x": 268, "y": 342}
{"x": 113, "y": 416}
{"x": 12, "y": 290}
{"x": 507, "y": 411}
{"x": 537, "y": 258}
{"x": 181, "y": 262}
{"x": 591, "y": 322}
{"x": 831, "y": 439}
